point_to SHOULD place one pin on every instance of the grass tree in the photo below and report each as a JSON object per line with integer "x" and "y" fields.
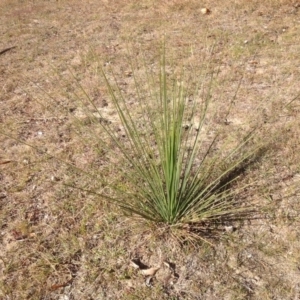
{"x": 170, "y": 173}
{"x": 172, "y": 167}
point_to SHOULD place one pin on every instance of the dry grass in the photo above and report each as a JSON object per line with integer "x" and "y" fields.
{"x": 59, "y": 243}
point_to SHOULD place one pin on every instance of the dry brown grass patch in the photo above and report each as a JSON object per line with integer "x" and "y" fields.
{"x": 58, "y": 243}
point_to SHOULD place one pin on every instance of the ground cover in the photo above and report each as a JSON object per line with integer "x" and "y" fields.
{"x": 62, "y": 243}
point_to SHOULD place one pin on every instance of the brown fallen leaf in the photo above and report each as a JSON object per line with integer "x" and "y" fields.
{"x": 148, "y": 281}
{"x": 134, "y": 264}
{"x": 58, "y": 286}
{"x": 167, "y": 264}
{"x": 19, "y": 235}
{"x": 4, "y": 162}
{"x": 137, "y": 264}
{"x": 7, "y": 49}
{"x": 150, "y": 271}
{"x": 205, "y": 11}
